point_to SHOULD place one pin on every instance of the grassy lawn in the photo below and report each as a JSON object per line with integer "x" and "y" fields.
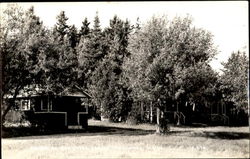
{"x": 108, "y": 140}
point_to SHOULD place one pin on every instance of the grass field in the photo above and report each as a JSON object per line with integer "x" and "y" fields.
{"x": 107, "y": 140}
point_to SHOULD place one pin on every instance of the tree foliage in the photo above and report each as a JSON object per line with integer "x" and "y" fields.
{"x": 90, "y": 51}
{"x": 164, "y": 62}
{"x": 235, "y": 80}
{"x": 58, "y": 61}
{"x": 20, "y": 47}
{"x": 169, "y": 62}
{"x": 107, "y": 87}
{"x": 85, "y": 30}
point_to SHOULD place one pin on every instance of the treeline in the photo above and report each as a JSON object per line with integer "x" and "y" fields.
{"x": 162, "y": 63}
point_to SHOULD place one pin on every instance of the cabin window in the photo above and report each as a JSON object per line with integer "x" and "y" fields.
{"x": 46, "y": 104}
{"x": 25, "y": 104}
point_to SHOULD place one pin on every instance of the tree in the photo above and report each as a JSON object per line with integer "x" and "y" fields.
{"x": 196, "y": 90}
{"x": 145, "y": 43}
{"x": 85, "y": 30}
{"x": 164, "y": 51}
{"x": 107, "y": 85}
{"x": 90, "y": 51}
{"x": 61, "y": 27}
{"x": 192, "y": 49}
{"x": 73, "y": 37}
{"x": 58, "y": 61}
{"x": 234, "y": 81}
{"x": 23, "y": 34}
{"x": 105, "y": 88}
{"x": 81, "y": 49}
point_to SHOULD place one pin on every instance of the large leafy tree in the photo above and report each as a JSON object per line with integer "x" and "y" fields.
{"x": 193, "y": 79}
{"x": 196, "y": 90}
{"x": 234, "y": 80}
{"x": 164, "y": 53}
{"x": 23, "y": 37}
{"x": 144, "y": 44}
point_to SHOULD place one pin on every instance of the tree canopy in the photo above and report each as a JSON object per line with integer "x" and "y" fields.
{"x": 235, "y": 80}
{"x": 164, "y": 62}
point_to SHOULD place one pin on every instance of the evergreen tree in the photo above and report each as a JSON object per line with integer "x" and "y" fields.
{"x": 61, "y": 27}
{"x": 73, "y": 36}
{"x": 85, "y": 30}
{"x": 97, "y": 27}
{"x": 107, "y": 84}
{"x": 90, "y": 52}
{"x": 59, "y": 61}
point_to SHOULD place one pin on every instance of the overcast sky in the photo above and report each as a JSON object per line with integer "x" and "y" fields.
{"x": 227, "y": 21}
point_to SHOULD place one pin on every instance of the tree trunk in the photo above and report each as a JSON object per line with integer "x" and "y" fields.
{"x": 151, "y": 112}
{"x": 142, "y": 112}
{"x": 102, "y": 115}
{"x": 10, "y": 105}
{"x": 248, "y": 117}
{"x": 1, "y": 86}
{"x": 158, "y": 115}
{"x": 162, "y": 124}
{"x": 178, "y": 115}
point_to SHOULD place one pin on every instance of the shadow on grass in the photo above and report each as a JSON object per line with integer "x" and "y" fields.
{"x": 26, "y": 131}
{"x": 91, "y": 131}
{"x": 109, "y": 130}
{"x": 226, "y": 135}
{"x": 221, "y": 135}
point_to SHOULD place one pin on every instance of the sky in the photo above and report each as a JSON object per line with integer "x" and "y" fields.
{"x": 226, "y": 20}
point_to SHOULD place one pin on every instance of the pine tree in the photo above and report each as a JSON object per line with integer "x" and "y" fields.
{"x": 73, "y": 36}
{"x": 107, "y": 84}
{"x": 90, "y": 52}
{"x": 59, "y": 61}
{"x": 61, "y": 26}
{"x": 85, "y": 30}
{"x": 97, "y": 27}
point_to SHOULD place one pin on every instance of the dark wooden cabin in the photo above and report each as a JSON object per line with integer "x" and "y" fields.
{"x": 67, "y": 110}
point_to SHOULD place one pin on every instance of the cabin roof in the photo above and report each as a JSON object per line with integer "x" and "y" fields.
{"x": 75, "y": 92}
{"x": 68, "y": 92}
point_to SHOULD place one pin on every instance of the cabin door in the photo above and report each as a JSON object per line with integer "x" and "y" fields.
{"x": 72, "y": 118}
{"x": 72, "y": 110}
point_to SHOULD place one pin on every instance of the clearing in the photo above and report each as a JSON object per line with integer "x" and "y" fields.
{"x": 109, "y": 140}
